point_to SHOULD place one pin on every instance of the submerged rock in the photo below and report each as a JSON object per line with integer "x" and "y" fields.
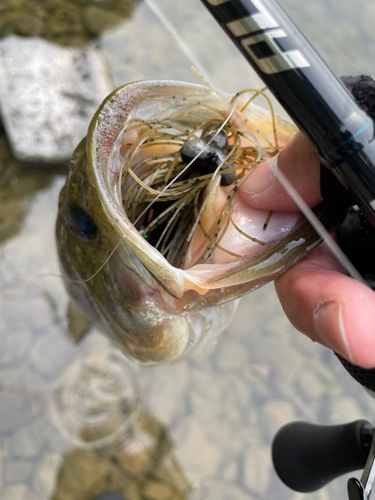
{"x": 66, "y": 22}
{"x": 48, "y": 95}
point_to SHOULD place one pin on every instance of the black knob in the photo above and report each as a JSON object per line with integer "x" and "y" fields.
{"x": 307, "y": 457}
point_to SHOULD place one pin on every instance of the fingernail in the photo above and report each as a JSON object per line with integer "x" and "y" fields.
{"x": 260, "y": 179}
{"x": 330, "y": 329}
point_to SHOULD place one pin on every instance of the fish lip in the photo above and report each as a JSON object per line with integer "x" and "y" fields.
{"x": 266, "y": 262}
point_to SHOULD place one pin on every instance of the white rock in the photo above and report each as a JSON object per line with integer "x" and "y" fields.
{"x": 48, "y": 95}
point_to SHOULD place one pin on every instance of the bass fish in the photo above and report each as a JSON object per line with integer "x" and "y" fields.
{"x": 154, "y": 244}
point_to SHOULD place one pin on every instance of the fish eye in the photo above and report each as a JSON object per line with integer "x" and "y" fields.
{"x": 81, "y": 224}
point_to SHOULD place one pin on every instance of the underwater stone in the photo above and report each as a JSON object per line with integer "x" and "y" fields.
{"x": 51, "y": 354}
{"x": 232, "y": 356}
{"x": 44, "y": 480}
{"x": 157, "y": 491}
{"x": 196, "y": 453}
{"x": 311, "y": 385}
{"x": 257, "y": 470}
{"x": 25, "y": 443}
{"x": 343, "y": 409}
{"x": 15, "y": 347}
{"x": 17, "y": 471}
{"x": 275, "y": 414}
{"x": 48, "y": 95}
{"x": 97, "y": 20}
{"x": 16, "y": 492}
{"x": 221, "y": 490}
{"x": 17, "y": 406}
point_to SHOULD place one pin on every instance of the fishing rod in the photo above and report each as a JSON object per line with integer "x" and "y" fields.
{"x": 340, "y": 132}
{"x": 306, "y": 457}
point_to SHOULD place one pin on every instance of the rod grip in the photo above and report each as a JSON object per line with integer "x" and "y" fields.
{"x": 363, "y": 376}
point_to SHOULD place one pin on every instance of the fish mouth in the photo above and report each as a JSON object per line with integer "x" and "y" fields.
{"x": 170, "y": 160}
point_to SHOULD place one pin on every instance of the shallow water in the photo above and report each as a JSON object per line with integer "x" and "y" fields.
{"x": 200, "y": 429}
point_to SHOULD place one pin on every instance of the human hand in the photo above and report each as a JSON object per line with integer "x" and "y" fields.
{"x": 318, "y": 297}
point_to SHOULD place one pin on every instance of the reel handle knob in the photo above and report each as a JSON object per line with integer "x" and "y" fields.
{"x": 307, "y": 457}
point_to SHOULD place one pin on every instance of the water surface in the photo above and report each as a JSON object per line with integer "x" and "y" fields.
{"x": 200, "y": 429}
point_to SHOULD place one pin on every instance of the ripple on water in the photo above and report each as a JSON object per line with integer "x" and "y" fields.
{"x": 95, "y": 403}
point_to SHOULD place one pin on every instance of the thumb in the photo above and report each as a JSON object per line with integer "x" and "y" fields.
{"x": 300, "y": 165}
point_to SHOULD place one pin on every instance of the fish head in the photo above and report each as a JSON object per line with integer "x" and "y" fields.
{"x": 157, "y": 311}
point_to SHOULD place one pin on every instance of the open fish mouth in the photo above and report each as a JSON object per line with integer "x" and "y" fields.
{"x": 176, "y": 171}
{"x": 178, "y": 187}
{"x": 165, "y": 163}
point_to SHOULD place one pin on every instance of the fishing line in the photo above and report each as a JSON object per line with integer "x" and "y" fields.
{"x": 100, "y": 268}
{"x": 175, "y": 35}
{"x": 317, "y": 225}
{"x": 306, "y": 210}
